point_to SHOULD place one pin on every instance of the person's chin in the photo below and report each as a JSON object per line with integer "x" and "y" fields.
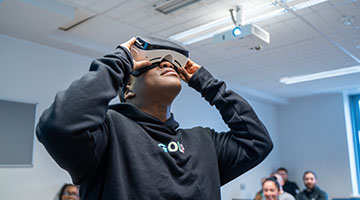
{"x": 309, "y": 187}
{"x": 173, "y": 81}
{"x": 270, "y": 198}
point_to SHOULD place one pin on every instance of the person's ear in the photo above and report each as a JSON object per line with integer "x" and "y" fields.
{"x": 129, "y": 93}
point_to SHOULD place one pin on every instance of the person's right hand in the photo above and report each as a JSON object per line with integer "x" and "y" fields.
{"x": 137, "y": 64}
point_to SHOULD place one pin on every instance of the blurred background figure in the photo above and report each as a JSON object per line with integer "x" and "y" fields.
{"x": 288, "y": 186}
{"x": 271, "y": 189}
{"x": 69, "y": 192}
{"x": 312, "y": 191}
{"x": 282, "y": 195}
{"x": 259, "y": 195}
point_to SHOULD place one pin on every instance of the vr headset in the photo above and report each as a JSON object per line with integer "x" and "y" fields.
{"x": 157, "y": 50}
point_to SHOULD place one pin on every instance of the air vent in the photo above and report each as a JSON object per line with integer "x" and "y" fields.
{"x": 81, "y": 16}
{"x": 168, "y": 6}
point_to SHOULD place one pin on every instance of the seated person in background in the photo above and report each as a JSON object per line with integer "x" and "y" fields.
{"x": 282, "y": 195}
{"x": 288, "y": 186}
{"x": 312, "y": 192}
{"x": 259, "y": 195}
{"x": 69, "y": 192}
{"x": 271, "y": 189}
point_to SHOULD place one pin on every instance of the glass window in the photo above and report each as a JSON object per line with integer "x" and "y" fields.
{"x": 354, "y": 102}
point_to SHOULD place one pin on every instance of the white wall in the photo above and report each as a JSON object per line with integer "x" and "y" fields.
{"x": 313, "y": 137}
{"x": 34, "y": 73}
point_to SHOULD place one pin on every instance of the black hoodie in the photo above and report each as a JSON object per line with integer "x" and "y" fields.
{"x": 122, "y": 153}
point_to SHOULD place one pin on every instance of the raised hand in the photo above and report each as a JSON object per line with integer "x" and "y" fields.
{"x": 137, "y": 64}
{"x": 187, "y": 72}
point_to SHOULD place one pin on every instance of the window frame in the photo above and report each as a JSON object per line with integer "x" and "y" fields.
{"x": 354, "y": 105}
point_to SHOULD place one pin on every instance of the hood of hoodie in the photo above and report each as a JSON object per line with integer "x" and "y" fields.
{"x": 157, "y": 129}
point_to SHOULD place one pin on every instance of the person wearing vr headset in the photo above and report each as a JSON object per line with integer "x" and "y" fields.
{"x": 135, "y": 150}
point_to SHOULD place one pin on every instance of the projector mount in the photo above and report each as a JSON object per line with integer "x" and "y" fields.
{"x": 239, "y": 15}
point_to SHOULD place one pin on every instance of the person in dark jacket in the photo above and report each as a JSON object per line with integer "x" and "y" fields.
{"x": 288, "y": 186}
{"x": 312, "y": 191}
{"x": 136, "y": 150}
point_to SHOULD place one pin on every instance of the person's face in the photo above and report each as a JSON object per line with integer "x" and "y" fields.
{"x": 283, "y": 174}
{"x": 70, "y": 193}
{"x": 279, "y": 179}
{"x": 271, "y": 192}
{"x": 161, "y": 79}
{"x": 309, "y": 181}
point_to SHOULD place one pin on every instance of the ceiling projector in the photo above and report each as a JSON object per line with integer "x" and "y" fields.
{"x": 251, "y": 36}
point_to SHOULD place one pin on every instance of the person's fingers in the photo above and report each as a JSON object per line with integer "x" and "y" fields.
{"x": 184, "y": 74}
{"x": 188, "y": 69}
{"x": 192, "y": 70}
{"x": 128, "y": 43}
{"x": 131, "y": 41}
{"x": 188, "y": 64}
{"x": 191, "y": 67}
{"x": 182, "y": 77}
{"x": 141, "y": 64}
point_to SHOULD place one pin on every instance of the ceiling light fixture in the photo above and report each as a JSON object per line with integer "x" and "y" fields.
{"x": 320, "y": 75}
{"x": 206, "y": 35}
{"x": 201, "y": 30}
{"x": 208, "y": 30}
{"x": 307, "y": 4}
{"x": 268, "y": 15}
{"x": 168, "y": 6}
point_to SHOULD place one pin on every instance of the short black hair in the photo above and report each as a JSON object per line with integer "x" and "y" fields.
{"x": 273, "y": 179}
{"x": 309, "y": 172}
{"x": 62, "y": 190}
{"x": 282, "y": 169}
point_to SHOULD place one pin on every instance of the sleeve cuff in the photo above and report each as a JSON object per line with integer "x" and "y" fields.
{"x": 128, "y": 55}
{"x": 200, "y": 79}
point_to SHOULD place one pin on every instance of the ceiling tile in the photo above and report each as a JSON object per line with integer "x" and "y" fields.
{"x": 110, "y": 31}
{"x": 105, "y": 5}
{"x": 296, "y": 47}
{"x": 82, "y": 3}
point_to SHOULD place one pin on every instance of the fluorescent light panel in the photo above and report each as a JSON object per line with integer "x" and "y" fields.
{"x": 267, "y": 16}
{"x": 169, "y": 6}
{"x": 307, "y": 4}
{"x": 210, "y": 29}
{"x": 206, "y": 31}
{"x": 320, "y": 75}
{"x": 206, "y": 36}
{"x": 201, "y": 29}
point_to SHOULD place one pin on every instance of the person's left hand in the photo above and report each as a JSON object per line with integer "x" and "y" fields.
{"x": 188, "y": 71}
